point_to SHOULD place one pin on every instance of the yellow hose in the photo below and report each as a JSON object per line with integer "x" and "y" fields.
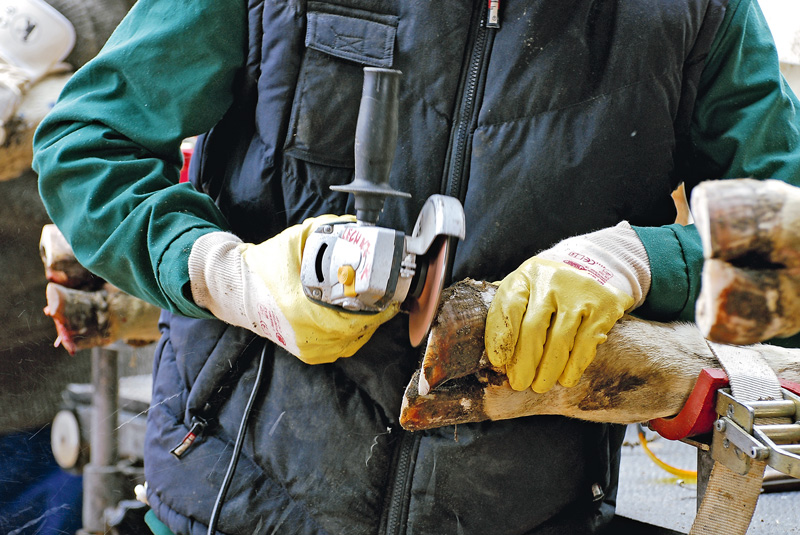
{"x": 679, "y": 472}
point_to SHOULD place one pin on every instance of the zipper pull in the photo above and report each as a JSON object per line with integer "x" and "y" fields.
{"x": 493, "y": 21}
{"x": 198, "y": 425}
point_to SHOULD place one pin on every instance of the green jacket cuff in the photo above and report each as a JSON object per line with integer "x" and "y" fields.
{"x": 175, "y": 278}
{"x": 676, "y": 261}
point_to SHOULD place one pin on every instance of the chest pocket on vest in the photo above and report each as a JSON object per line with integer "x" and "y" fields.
{"x": 340, "y": 42}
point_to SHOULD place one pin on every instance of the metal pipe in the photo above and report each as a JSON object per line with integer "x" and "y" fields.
{"x": 102, "y": 481}
{"x": 105, "y": 379}
{"x": 792, "y": 448}
{"x": 781, "y": 433}
{"x": 773, "y": 409}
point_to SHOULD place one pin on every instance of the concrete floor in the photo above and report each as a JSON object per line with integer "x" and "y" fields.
{"x": 653, "y": 496}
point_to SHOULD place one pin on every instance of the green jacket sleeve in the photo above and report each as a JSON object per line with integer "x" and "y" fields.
{"x": 745, "y": 124}
{"x": 108, "y": 154}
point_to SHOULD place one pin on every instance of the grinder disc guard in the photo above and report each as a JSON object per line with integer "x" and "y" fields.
{"x": 422, "y": 309}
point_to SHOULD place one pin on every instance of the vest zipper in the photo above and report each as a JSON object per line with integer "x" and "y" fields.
{"x": 198, "y": 426}
{"x": 493, "y": 20}
{"x": 397, "y": 515}
{"x": 462, "y": 128}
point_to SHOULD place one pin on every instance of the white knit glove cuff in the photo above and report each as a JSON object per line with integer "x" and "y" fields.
{"x": 215, "y": 275}
{"x": 614, "y": 256}
{"x": 222, "y": 282}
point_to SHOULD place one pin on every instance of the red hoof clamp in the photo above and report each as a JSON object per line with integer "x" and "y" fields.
{"x": 699, "y": 412}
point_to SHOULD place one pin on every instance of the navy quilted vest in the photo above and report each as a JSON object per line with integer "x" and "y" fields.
{"x": 569, "y": 118}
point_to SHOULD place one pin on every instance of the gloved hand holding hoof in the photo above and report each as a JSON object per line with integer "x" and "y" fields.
{"x": 258, "y": 287}
{"x": 549, "y": 316}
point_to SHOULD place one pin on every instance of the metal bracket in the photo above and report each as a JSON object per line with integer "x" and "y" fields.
{"x": 738, "y": 438}
{"x": 440, "y": 216}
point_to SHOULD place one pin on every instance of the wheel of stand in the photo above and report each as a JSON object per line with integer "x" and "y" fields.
{"x": 69, "y": 450}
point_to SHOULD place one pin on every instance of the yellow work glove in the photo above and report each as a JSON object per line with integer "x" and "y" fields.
{"x": 258, "y": 287}
{"x": 549, "y": 315}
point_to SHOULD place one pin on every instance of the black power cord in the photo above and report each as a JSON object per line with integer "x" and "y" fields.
{"x": 237, "y": 448}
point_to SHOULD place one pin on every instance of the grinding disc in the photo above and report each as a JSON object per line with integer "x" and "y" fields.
{"x": 423, "y": 308}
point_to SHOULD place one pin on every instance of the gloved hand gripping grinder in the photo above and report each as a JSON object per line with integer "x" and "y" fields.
{"x": 362, "y": 267}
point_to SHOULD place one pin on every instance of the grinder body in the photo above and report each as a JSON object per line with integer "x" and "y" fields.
{"x": 362, "y": 267}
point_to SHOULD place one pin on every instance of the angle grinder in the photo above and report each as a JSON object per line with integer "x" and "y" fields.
{"x": 362, "y": 267}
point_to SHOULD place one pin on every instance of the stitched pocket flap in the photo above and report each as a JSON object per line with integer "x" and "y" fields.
{"x": 369, "y": 42}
